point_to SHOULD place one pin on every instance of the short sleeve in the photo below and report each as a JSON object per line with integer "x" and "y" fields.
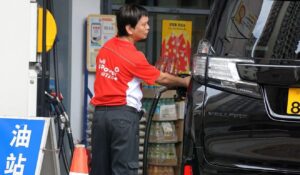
{"x": 143, "y": 70}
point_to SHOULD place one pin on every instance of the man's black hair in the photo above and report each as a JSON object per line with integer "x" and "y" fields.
{"x": 129, "y": 14}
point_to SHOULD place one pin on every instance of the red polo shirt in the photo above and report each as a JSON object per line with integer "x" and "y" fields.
{"x": 120, "y": 69}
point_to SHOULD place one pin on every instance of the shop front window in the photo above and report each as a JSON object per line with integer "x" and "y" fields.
{"x": 193, "y": 12}
{"x": 198, "y": 4}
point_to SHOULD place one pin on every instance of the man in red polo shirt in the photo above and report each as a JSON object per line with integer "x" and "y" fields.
{"x": 120, "y": 70}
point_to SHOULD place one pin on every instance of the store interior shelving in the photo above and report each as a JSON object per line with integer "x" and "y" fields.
{"x": 165, "y": 137}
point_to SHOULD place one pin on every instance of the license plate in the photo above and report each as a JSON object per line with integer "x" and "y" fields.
{"x": 293, "y": 105}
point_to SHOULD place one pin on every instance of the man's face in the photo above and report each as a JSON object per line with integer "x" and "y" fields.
{"x": 141, "y": 29}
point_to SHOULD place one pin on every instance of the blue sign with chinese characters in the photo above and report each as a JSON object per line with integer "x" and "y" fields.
{"x": 20, "y": 144}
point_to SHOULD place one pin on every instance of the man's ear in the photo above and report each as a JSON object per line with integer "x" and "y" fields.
{"x": 129, "y": 29}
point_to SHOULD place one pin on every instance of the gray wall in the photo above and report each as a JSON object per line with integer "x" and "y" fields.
{"x": 80, "y": 10}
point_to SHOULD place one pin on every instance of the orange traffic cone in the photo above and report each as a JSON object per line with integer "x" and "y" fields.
{"x": 80, "y": 161}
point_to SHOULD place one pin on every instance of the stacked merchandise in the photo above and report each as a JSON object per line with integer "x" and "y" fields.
{"x": 142, "y": 128}
{"x": 160, "y": 170}
{"x": 162, "y": 157}
{"x": 90, "y": 115}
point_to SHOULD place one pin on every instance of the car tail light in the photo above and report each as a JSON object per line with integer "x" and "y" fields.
{"x": 187, "y": 170}
{"x": 221, "y": 72}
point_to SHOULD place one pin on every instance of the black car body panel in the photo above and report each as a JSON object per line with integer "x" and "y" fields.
{"x": 240, "y": 124}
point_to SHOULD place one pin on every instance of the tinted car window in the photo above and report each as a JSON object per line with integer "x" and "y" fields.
{"x": 280, "y": 34}
{"x": 270, "y": 27}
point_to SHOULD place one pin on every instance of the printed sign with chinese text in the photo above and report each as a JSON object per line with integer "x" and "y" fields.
{"x": 21, "y": 143}
{"x": 100, "y": 28}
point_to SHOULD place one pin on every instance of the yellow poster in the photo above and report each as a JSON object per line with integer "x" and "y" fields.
{"x": 176, "y": 46}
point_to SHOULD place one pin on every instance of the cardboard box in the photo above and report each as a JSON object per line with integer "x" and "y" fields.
{"x": 179, "y": 158}
{"x": 168, "y": 112}
{"x": 179, "y": 125}
{"x": 180, "y": 107}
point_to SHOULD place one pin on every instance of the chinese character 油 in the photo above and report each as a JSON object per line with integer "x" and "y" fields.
{"x": 21, "y": 136}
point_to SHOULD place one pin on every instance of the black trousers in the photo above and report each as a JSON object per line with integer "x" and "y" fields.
{"x": 115, "y": 141}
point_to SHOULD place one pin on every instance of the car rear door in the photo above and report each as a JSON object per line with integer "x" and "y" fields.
{"x": 250, "y": 86}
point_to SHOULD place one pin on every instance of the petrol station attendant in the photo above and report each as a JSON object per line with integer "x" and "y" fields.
{"x": 121, "y": 69}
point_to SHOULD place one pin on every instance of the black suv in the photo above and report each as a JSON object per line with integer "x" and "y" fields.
{"x": 243, "y": 105}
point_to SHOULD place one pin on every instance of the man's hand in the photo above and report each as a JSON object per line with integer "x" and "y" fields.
{"x": 187, "y": 80}
{"x": 170, "y": 81}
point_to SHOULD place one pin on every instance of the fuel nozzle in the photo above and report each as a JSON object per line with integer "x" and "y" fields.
{"x": 181, "y": 91}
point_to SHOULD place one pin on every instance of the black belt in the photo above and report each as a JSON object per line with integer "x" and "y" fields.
{"x": 123, "y": 107}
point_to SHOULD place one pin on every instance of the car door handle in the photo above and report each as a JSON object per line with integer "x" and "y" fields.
{"x": 283, "y": 75}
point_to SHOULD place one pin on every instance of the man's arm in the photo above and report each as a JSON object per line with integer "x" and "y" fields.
{"x": 169, "y": 80}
